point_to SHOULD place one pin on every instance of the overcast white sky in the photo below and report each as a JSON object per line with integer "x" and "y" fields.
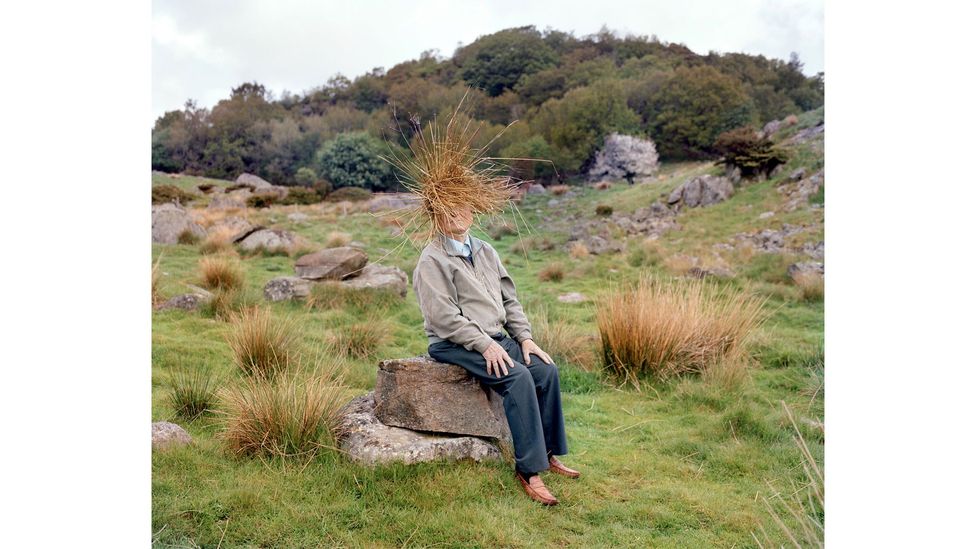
{"x": 201, "y": 49}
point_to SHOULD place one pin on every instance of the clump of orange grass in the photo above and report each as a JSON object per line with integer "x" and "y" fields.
{"x": 294, "y": 415}
{"x": 446, "y": 171}
{"x": 221, "y": 273}
{"x": 811, "y": 284}
{"x": 262, "y": 345}
{"x": 660, "y": 328}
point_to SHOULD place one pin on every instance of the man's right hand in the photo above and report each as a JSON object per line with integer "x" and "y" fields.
{"x": 497, "y": 359}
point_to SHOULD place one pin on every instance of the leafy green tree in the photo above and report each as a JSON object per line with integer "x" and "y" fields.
{"x": 692, "y": 107}
{"x": 305, "y": 177}
{"x": 496, "y": 62}
{"x": 576, "y": 124}
{"x": 351, "y": 160}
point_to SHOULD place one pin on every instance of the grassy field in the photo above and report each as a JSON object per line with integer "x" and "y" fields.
{"x": 683, "y": 463}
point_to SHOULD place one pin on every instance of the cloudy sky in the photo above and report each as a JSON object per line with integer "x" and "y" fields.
{"x": 203, "y": 49}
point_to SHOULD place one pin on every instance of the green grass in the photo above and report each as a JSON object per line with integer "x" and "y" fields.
{"x": 679, "y": 464}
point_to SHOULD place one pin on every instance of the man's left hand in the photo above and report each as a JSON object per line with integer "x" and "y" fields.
{"x": 529, "y": 348}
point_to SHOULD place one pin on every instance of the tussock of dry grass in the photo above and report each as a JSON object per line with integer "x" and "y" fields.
{"x": 218, "y": 241}
{"x": 221, "y": 273}
{"x": 564, "y": 340}
{"x": 262, "y": 345}
{"x": 337, "y": 239}
{"x": 558, "y": 190}
{"x": 292, "y": 416}
{"x": 811, "y": 284}
{"x": 187, "y": 237}
{"x": 553, "y": 272}
{"x": 194, "y": 393}
{"x": 680, "y": 264}
{"x": 658, "y": 328}
{"x": 578, "y": 250}
{"x": 362, "y": 339}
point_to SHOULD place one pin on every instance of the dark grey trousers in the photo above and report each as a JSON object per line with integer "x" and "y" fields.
{"x": 530, "y": 394}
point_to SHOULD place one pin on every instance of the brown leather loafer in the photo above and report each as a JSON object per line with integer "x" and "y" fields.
{"x": 536, "y": 489}
{"x": 556, "y": 466}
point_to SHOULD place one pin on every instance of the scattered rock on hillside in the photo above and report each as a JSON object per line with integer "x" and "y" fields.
{"x": 598, "y": 245}
{"x": 269, "y": 239}
{"x": 297, "y": 216}
{"x": 331, "y": 263}
{"x": 367, "y": 441}
{"x": 769, "y": 240}
{"x": 383, "y": 277}
{"x": 252, "y": 180}
{"x": 391, "y": 201}
{"x": 168, "y": 435}
{"x": 187, "y": 302}
{"x": 236, "y": 227}
{"x": 814, "y": 250}
{"x": 798, "y": 193}
{"x": 169, "y": 221}
{"x": 766, "y": 215}
{"x": 653, "y": 220}
{"x": 536, "y": 188}
{"x": 422, "y": 394}
{"x": 798, "y": 269}
{"x": 572, "y": 297}
{"x": 771, "y": 127}
{"x": 701, "y": 191}
{"x": 798, "y": 174}
{"x": 287, "y": 287}
{"x": 806, "y": 134}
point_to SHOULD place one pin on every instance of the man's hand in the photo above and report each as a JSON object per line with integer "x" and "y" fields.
{"x": 497, "y": 359}
{"x": 529, "y": 348}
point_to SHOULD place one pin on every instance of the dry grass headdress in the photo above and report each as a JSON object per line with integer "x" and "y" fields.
{"x": 448, "y": 171}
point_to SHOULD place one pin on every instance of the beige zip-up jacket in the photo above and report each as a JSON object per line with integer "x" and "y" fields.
{"x": 465, "y": 304}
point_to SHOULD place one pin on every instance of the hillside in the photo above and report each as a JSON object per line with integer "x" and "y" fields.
{"x": 678, "y": 463}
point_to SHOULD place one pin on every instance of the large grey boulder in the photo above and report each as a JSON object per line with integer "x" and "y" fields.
{"x": 168, "y": 435}
{"x": 252, "y": 180}
{"x": 186, "y": 302}
{"x": 624, "y": 157}
{"x": 796, "y": 270}
{"x": 286, "y": 287}
{"x": 237, "y": 228}
{"x": 169, "y": 221}
{"x": 366, "y": 440}
{"x": 422, "y": 394}
{"x": 331, "y": 263}
{"x": 270, "y": 239}
{"x": 391, "y": 201}
{"x": 701, "y": 191}
{"x": 380, "y": 277}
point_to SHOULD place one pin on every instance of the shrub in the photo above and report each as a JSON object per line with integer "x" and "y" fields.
{"x": 263, "y": 200}
{"x": 604, "y": 210}
{"x": 352, "y": 194}
{"x": 656, "y": 329}
{"x": 170, "y": 193}
{"x": 305, "y": 177}
{"x": 301, "y": 195}
{"x": 559, "y": 190}
{"x": 262, "y": 345}
{"x": 221, "y": 273}
{"x": 322, "y": 187}
{"x": 193, "y": 393}
{"x": 294, "y": 416}
{"x": 553, "y": 272}
{"x": 187, "y": 236}
{"x": 602, "y": 185}
{"x": 743, "y": 148}
{"x": 362, "y": 339}
{"x": 352, "y": 160}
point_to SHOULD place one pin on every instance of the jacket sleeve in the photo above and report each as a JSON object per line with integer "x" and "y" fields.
{"x": 516, "y": 323}
{"x": 439, "y": 305}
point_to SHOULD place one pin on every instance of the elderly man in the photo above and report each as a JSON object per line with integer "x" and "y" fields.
{"x": 467, "y": 297}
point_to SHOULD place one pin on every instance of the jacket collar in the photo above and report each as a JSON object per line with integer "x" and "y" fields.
{"x": 476, "y": 244}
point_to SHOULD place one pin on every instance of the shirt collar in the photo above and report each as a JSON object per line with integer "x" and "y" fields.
{"x": 458, "y": 247}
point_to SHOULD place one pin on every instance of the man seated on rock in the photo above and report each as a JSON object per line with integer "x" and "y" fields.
{"x": 467, "y": 296}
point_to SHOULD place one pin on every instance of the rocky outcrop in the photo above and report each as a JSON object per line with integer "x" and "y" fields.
{"x": 422, "y": 394}
{"x": 254, "y": 181}
{"x": 269, "y": 239}
{"x": 391, "y": 201}
{"x": 331, "y": 263}
{"x": 701, "y": 191}
{"x": 380, "y": 277}
{"x": 287, "y": 287}
{"x": 624, "y": 157}
{"x": 168, "y": 435}
{"x": 366, "y": 440}
{"x": 169, "y": 221}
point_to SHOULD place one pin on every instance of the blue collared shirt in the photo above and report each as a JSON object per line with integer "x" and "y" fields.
{"x": 464, "y": 248}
